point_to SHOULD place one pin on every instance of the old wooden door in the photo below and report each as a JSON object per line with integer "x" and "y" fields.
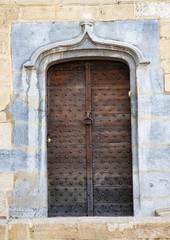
{"x": 89, "y": 139}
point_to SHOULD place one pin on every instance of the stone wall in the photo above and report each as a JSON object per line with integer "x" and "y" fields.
{"x": 13, "y": 153}
{"x": 86, "y": 229}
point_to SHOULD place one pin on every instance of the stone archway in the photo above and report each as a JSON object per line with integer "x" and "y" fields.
{"x": 86, "y": 46}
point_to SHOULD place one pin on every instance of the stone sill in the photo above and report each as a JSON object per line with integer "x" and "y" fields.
{"x": 85, "y": 228}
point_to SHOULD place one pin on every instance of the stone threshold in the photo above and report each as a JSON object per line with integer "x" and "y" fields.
{"x": 85, "y": 228}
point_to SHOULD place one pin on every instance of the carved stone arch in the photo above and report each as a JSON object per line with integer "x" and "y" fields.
{"x": 86, "y": 46}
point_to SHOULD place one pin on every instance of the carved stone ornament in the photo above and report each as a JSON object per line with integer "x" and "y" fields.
{"x": 87, "y": 34}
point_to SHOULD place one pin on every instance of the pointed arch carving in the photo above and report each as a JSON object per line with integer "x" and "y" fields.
{"x": 88, "y": 34}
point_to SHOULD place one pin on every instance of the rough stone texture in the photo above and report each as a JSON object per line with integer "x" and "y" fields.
{"x": 155, "y": 9}
{"x": 165, "y": 48}
{"x": 118, "y": 11}
{"x": 4, "y": 69}
{"x": 167, "y": 82}
{"x": 73, "y": 13}
{"x": 12, "y": 161}
{"x": 6, "y": 181}
{"x": 35, "y": 2}
{"x": 4, "y": 97}
{"x": 4, "y": 44}
{"x": 86, "y": 228}
{"x": 5, "y": 136}
{"x": 37, "y": 13}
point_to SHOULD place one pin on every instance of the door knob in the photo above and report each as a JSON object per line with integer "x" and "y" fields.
{"x": 48, "y": 139}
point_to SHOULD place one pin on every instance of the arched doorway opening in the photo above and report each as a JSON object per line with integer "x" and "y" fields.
{"x": 89, "y": 139}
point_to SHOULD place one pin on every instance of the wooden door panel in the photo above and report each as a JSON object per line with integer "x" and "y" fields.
{"x": 66, "y": 155}
{"x": 89, "y": 161}
{"x": 111, "y": 137}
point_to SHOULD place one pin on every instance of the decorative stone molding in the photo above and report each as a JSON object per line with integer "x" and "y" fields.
{"x": 87, "y": 33}
{"x": 86, "y": 46}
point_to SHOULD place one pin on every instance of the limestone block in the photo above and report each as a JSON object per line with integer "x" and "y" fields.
{"x": 155, "y": 131}
{"x": 165, "y": 49}
{"x": 4, "y": 2}
{"x": 37, "y": 13}
{"x": 48, "y": 230}
{"x": 71, "y": 13}
{"x": 6, "y": 181}
{"x": 5, "y": 135}
{"x": 2, "y": 117}
{"x": 19, "y": 109}
{"x": 167, "y": 82}
{"x": 154, "y": 157}
{"x": 155, "y": 105}
{"x": 3, "y": 205}
{"x": 156, "y": 228}
{"x": 4, "y": 96}
{"x": 155, "y": 184}
{"x": 165, "y": 64}
{"x": 7, "y": 14}
{"x": 165, "y": 29}
{"x": 3, "y": 232}
{"x": 13, "y": 161}
{"x": 18, "y": 212}
{"x": 5, "y": 71}
{"x": 117, "y": 11}
{"x": 4, "y": 44}
{"x": 20, "y": 135}
{"x": 36, "y": 2}
{"x": 150, "y": 81}
{"x": 18, "y": 231}
{"x": 87, "y": 2}
{"x": 155, "y": 9}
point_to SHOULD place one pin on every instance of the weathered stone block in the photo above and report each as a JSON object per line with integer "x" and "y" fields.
{"x": 53, "y": 230}
{"x": 3, "y": 230}
{"x": 87, "y": 2}
{"x": 37, "y": 13}
{"x": 165, "y": 48}
{"x": 18, "y": 212}
{"x": 5, "y": 71}
{"x": 2, "y": 117}
{"x": 7, "y": 14}
{"x": 165, "y": 29}
{"x": 154, "y": 157}
{"x": 72, "y": 13}
{"x": 19, "y": 110}
{"x": 5, "y": 135}
{"x": 150, "y": 81}
{"x": 154, "y": 131}
{"x": 4, "y": 97}
{"x": 12, "y": 161}
{"x": 18, "y": 230}
{"x": 165, "y": 64}
{"x": 3, "y": 205}
{"x": 157, "y": 228}
{"x": 167, "y": 82}
{"x": 155, "y": 105}
{"x": 36, "y": 2}
{"x": 155, "y": 9}
{"x": 117, "y": 11}
{"x": 4, "y": 44}
{"x": 155, "y": 184}
{"x": 20, "y": 135}
{"x": 6, "y": 181}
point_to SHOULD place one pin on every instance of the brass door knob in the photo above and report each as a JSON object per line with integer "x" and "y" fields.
{"x": 48, "y": 139}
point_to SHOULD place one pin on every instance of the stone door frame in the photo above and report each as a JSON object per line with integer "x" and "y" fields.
{"x": 86, "y": 46}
